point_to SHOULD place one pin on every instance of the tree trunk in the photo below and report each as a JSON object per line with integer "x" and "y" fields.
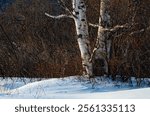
{"x": 103, "y": 43}
{"x": 79, "y": 11}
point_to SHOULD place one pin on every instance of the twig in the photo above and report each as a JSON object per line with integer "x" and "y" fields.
{"x": 59, "y": 16}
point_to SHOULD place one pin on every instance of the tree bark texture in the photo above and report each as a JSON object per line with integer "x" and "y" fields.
{"x": 79, "y": 11}
{"x": 103, "y": 42}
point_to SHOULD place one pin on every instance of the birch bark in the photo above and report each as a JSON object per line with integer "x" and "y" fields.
{"x": 81, "y": 24}
{"x": 103, "y": 43}
{"x": 80, "y": 19}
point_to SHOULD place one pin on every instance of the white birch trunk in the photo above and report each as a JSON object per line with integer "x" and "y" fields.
{"x": 79, "y": 11}
{"x": 103, "y": 52}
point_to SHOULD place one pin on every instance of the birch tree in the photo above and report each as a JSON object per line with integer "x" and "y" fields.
{"x": 103, "y": 43}
{"x": 102, "y": 49}
{"x": 78, "y": 14}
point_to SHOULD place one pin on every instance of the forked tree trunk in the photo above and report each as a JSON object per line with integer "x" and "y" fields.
{"x": 79, "y": 11}
{"x": 104, "y": 45}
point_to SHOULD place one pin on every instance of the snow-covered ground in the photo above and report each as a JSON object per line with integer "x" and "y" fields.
{"x": 72, "y": 87}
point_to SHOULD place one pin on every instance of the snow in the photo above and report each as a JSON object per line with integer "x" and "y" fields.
{"x": 72, "y": 87}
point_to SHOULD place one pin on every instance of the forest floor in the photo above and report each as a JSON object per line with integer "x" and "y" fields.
{"x": 73, "y": 88}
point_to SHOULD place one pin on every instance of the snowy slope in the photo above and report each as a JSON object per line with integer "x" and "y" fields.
{"x": 72, "y": 87}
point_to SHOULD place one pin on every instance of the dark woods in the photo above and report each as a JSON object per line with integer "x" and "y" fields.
{"x": 34, "y": 45}
{"x": 130, "y": 49}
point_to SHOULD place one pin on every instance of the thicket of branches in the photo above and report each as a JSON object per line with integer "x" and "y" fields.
{"x": 34, "y": 45}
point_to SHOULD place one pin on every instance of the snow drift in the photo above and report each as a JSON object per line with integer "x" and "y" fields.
{"x": 72, "y": 87}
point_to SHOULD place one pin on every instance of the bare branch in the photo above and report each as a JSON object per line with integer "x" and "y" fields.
{"x": 139, "y": 31}
{"x": 59, "y": 16}
{"x": 93, "y": 53}
{"x": 136, "y": 32}
{"x": 94, "y": 25}
{"x": 9, "y": 40}
{"x": 114, "y": 29}
{"x": 62, "y": 4}
{"x": 118, "y": 27}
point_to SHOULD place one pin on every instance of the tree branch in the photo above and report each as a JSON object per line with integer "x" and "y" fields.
{"x": 114, "y": 29}
{"x": 59, "y": 16}
{"x": 62, "y": 4}
{"x": 111, "y": 30}
{"x": 118, "y": 28}
{"x": 136, "y": 32}
{"x": 93, "y": 54}
{"x": 94, "y": 25}
{"x": 139, "y": 31}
